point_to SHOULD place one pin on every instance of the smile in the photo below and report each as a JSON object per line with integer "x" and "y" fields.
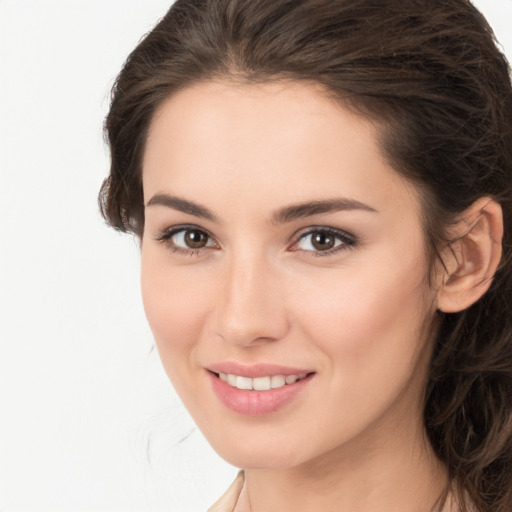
{"x": 258, "y": 389}
{"x": 260, "y": 383}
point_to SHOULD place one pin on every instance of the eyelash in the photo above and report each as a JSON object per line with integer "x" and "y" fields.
{"x": 348, "y": 241}
{"x": 166, "y": 239}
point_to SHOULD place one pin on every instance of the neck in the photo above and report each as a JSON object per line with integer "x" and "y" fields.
{"x": 399, "y": 473}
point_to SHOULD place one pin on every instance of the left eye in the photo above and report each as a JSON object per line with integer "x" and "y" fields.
{"x": 323, "y": 241}
{"x": 191, "y": 239}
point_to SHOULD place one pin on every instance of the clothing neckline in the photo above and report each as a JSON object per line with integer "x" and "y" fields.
{"x": 227, "y": 502}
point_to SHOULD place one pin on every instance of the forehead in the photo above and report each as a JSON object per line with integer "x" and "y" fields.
{"x": 288, "y": 141}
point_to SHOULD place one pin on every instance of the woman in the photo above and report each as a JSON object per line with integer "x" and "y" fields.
{"x": 323, "y": 195}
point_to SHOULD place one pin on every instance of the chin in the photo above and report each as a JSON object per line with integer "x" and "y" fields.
{"x": 260, "y": 455}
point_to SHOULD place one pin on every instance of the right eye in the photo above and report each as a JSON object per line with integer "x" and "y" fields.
{"x": 187, "y": 239}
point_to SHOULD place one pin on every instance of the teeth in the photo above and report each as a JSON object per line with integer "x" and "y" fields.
{"x": 277, "y": 381}
{"x": 260, "y": 383}
{"x": 243, "y": 382}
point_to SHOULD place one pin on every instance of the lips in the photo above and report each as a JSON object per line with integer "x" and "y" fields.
{"x": 256, "y": 370}
{"x": 257, "y": 390}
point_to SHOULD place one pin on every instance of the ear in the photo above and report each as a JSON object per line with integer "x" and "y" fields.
{"x": 469, "y": 263}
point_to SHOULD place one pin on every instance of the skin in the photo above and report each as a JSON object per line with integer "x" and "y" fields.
{"x": 353, "y": 440}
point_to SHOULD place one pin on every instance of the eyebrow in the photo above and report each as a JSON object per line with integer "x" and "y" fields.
{"x": 182, "y": 205}
{"x": 301, "y": 210}
{"x": 282, "y": 216}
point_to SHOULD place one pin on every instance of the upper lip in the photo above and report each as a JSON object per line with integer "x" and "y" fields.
{"x": 255, "y": 370}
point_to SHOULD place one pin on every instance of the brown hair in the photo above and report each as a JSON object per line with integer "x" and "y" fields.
{"x": 431, "y": 73}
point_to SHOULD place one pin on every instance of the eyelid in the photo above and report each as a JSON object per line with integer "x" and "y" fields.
{"x": 349, "y": 240}
{"x": 166, "y": 235}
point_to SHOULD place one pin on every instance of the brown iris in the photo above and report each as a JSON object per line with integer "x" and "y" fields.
{"x": 195, "y": 239}
{"x": 323, "y": 241}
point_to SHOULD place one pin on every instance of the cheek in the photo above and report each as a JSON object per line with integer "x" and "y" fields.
{"x": 369, "y": 330}
{"x": 175, "y": 306}
{"x": 368, "y": 323}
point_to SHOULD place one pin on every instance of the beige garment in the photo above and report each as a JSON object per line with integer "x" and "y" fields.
{"x": 227, "y": 502}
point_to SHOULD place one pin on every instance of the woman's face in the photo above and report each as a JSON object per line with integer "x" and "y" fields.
{"x": 280, "y": 244}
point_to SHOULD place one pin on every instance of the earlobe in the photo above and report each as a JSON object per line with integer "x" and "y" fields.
{"x": 470, "y": 262}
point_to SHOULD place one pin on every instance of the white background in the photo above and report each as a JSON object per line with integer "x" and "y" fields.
{"x": 88, "y": 420}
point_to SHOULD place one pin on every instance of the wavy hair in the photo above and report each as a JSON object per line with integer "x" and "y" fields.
{"x": 431, "y": 74}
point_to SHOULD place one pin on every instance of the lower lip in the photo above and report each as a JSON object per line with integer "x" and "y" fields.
{"x": 256, "y": 403}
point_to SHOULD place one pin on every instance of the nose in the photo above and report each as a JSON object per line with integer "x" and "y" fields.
{"x": 251, "y": 307}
